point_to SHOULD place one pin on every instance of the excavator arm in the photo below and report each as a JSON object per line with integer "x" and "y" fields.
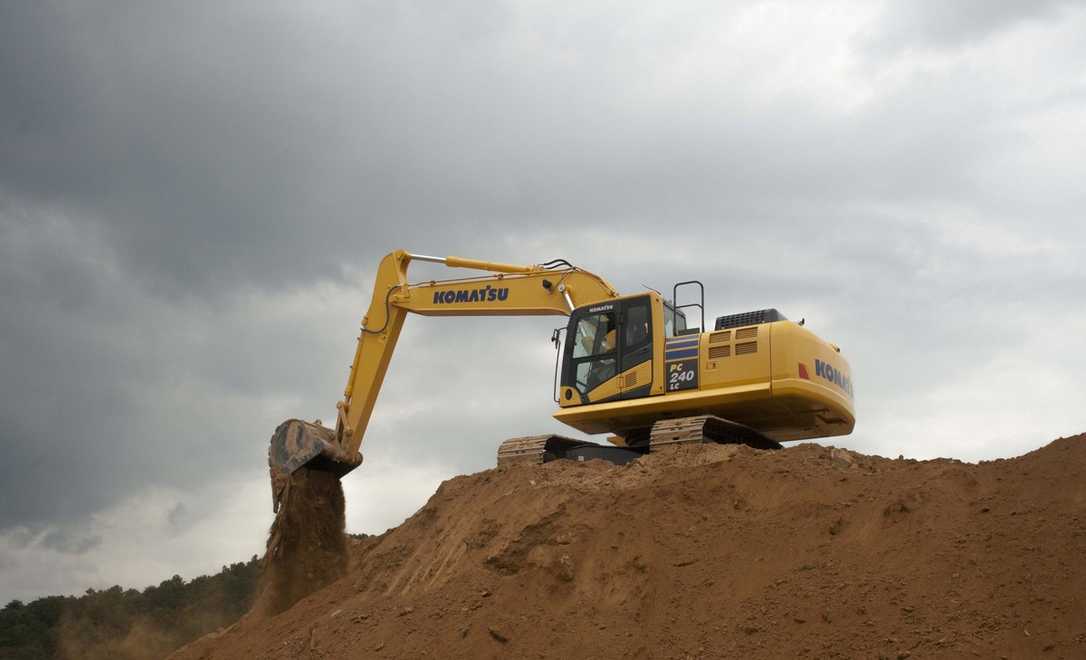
{"x": 552, "y": 288}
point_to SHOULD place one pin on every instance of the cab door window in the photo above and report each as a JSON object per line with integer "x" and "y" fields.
{"x": 638, "y": 329}
{"x": 636, "y": 346}
{"x": 593, "y": 356}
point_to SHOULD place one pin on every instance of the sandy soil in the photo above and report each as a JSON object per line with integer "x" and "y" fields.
{"x": 709, "y": 552}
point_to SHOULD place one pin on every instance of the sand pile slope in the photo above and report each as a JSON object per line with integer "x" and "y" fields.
{"x": 712, "y": 551}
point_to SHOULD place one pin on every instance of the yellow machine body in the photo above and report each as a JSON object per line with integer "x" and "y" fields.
{"x": 778, "y": 378}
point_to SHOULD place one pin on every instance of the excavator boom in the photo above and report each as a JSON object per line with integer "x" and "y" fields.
{"x": 553, "y": 288}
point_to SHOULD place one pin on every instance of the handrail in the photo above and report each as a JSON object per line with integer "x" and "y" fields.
{"x": 699, "y": 305}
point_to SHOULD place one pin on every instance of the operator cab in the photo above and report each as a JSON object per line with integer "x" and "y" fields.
{"x": 608, "y": 352}
{"x": 610, "y": 347}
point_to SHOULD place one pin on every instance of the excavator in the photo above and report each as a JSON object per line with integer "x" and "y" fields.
{"x": 631, "y": 366}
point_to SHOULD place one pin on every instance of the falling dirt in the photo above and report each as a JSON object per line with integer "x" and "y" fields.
{"x": 713, "y": 552}
{"x": 307, "y": 548}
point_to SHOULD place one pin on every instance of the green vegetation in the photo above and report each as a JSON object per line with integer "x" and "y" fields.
{"x": 125, "y": 623}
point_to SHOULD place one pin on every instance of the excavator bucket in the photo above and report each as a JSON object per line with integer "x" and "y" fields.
{"x": 296, "y": 443}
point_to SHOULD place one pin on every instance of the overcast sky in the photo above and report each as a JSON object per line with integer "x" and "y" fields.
{"x": 194, "y": 197}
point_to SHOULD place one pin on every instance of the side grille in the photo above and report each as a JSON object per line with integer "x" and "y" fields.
{"x": 746, "y": 333}
{"x": 746, "y": 348}
{"x": 716, "y": 352}
{"x": 631, "y": 379}
{"x": 719, "y": 337}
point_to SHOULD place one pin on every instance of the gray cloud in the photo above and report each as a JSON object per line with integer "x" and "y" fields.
{"x": 953, "y": 24}
{"x": 193, "y": 200}
{"x": 63, "y": 541}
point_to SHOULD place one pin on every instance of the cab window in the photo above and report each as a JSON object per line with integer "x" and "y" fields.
{"x": 594, "y": 351}
{"x": 595, "y": 335}
{"x": 680, "y": 323}
{"x": 637, "y": 326}
{"x": 591, "y": 374}
{"x": 674, "y": 322}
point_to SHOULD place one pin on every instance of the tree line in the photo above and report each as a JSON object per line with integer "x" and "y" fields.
{"x": 127, "y": 624}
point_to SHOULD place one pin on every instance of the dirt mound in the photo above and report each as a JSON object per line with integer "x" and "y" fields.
{"x": 712, "y": 551}
{"x": 307, "y": 548}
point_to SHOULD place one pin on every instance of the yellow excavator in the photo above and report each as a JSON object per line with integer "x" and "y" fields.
{"x": 631, "y": 366}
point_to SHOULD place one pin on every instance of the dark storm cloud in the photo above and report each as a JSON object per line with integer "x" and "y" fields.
{"x": 107, "y": 388}
{"x": 193, "y": 198}
{"x": 244, "y": 141}
{"x": 267, "y": 137}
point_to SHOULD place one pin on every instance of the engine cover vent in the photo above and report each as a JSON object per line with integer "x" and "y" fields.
{"x": 749, "y": 318}
{"x": 746, "y": 348}
{"x": 720, "y": 337}
{"x": 717, "y": 352}
{"x": 746, "y": 333}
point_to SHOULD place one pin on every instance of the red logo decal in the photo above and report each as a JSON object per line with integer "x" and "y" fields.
{"x": 803, "y": 372}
